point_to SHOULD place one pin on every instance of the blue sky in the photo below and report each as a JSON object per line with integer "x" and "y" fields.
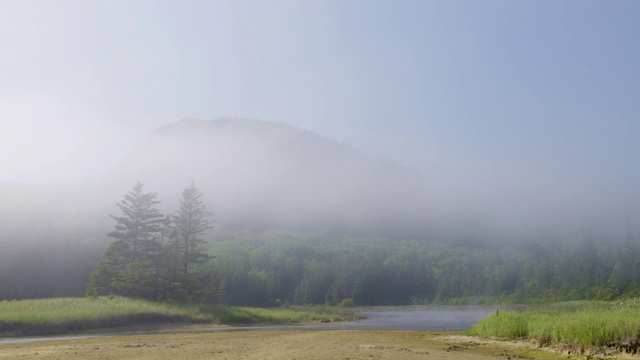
{"x": 489, "y": 99}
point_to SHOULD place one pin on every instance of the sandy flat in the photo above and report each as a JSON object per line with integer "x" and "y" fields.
{"x": 280, "y": 344}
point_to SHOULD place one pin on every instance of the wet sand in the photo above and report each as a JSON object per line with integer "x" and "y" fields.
{"x": 279, "y": 344}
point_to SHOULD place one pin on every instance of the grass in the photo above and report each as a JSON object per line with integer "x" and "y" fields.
{"x": 586, "y": 324}
{"x": 63, "y": 315}
{"x": 245, "y": 315}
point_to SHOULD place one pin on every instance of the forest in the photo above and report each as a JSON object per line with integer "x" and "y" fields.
{"x": 160, "y": 258}
{"x": 275, "y": 268}
{"x": 186, "y": 259}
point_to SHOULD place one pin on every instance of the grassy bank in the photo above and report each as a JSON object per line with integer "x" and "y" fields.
{"x": 63, "y": 315}
{"x": 582, "y": 324}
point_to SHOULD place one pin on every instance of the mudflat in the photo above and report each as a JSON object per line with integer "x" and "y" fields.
{"x": 279, "y": 344}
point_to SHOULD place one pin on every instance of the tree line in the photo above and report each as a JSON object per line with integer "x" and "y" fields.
{"x": 160, "y": 257}
{"x": 180, "y": 257}
{"x": 274, "y": 268}
{"x": 154, "y": 256}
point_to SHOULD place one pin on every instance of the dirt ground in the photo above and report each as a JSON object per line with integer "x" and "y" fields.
{"x": 280, "y": 344}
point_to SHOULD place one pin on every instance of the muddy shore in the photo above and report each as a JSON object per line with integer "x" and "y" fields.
{"x": 280, "y": 344}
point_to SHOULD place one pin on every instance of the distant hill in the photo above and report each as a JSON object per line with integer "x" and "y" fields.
{"x": 258, "y": 175}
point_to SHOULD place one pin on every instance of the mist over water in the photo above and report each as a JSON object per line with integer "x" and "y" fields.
{"x": 445, "y": 318}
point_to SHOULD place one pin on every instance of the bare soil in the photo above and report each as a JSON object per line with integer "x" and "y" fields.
{"x": 280, "y": 344}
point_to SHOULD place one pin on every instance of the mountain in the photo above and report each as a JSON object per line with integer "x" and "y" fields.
{"x": 260, "y": 175}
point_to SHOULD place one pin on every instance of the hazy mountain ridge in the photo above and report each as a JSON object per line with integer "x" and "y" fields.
{"x": 260, "y": 174}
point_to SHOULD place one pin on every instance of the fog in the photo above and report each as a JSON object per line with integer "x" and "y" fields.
{"x": 446, "y": 121}
{"x": 264, "y": 175}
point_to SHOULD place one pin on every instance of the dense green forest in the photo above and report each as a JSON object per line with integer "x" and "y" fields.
{"x": 276, "y": 267}
{"x": 271, "y": 268}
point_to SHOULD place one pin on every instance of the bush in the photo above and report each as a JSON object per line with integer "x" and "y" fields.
{"x": 348, "y": 302}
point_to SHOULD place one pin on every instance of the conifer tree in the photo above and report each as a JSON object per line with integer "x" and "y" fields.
{"x": 139, "y": 223}
{"x": 127, "y": 266}
{"x": 190, "y": 223}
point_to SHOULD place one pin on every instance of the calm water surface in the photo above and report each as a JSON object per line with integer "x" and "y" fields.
{"x": 441, "y": 318}
{"x": 428, "y": 318}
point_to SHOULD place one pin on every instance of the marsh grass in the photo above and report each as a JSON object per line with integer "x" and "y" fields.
{"x": 244, "y": 315}
{"x": 583, "y": 323}
{"x": 63, "y": 315}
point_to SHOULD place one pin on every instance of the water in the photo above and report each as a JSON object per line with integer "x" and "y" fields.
{"x": 441, "y": 318}
{"x": 438, "y": 318}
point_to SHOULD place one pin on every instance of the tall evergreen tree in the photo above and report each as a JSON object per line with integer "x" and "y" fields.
{"x": 140, "y": 222}
{"x": 127, "y": 266}
{"x": 189, "y": 225}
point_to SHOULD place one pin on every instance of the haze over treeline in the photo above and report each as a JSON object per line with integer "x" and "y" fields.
{"x": 520, "y": 116}
{"x": 268, "y": 175}
{"x": 259, "y": 176}
{"x": 263, "y": 175}
{"x": 474, "y": 125}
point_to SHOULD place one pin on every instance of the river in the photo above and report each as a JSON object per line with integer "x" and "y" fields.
{"x": 424, "y": 318}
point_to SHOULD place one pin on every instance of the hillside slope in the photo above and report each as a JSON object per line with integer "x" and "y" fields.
{"x": 257, "y": 174}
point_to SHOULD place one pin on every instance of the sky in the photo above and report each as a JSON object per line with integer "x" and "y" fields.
{"x": 501, "y": 102}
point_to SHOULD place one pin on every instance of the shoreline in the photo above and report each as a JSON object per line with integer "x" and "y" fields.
{"x": 281, "y": 344}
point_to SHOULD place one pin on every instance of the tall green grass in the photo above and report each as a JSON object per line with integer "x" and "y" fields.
{"x": 584, "y": 323}
{"x": 62, "y": 315}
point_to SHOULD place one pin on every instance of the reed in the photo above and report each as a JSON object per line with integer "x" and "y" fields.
{"x": 587, "y": 324}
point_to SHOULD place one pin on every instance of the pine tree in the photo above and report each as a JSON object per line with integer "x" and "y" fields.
{"x": 189, "y": 225}
{"x": 108, "y": 276}
{"x": 139, "y": 224}
{"x": 127, "y": 266}
{"x": 163, "y": 259}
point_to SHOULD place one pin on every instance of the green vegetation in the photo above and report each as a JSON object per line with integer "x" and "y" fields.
{"x": 154, "y": 257}
{"x": 246, "y": 315}
{"x": 582, "y": 323}
{"x": 63, "y": 315}
{"x": 180, "y": 258}
{"x": 272, "y": 268}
